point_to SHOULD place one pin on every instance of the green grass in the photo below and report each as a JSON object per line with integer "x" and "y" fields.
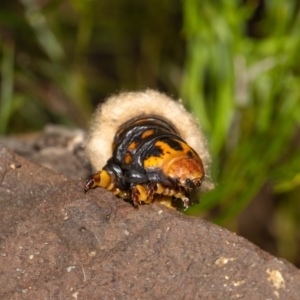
{"x": 246, "y": 89}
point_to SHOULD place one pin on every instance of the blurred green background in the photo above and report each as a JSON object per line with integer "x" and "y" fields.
{"x": 235, "y": 63}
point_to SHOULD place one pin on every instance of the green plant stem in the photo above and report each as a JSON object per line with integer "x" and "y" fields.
{"x": 6, "y": 85}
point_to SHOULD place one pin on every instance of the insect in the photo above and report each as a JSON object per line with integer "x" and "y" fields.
{"x": 150, "y": 161}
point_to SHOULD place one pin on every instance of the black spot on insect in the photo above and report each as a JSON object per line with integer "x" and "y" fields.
{"x": 173, "y": 144}
{"x": 190, "y": 154}
{"x": 155, "y": 151}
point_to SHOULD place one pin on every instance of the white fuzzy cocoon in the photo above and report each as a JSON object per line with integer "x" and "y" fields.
{"x": 122, "y": 107}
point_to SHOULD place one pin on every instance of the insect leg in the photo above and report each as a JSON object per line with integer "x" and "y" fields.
{"x": 102, "y": 179}
{"x": 167, "y": 192}
{"x": 139, "y": 193}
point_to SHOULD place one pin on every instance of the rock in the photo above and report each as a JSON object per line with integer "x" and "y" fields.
{"x": 56, "y": 148}
{"x": 58, "y": 243}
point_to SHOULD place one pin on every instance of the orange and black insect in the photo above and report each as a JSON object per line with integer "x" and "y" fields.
{"x": 150, "y": 161}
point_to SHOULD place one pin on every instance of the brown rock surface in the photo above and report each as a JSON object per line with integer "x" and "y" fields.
{"x": 58, "y": 243}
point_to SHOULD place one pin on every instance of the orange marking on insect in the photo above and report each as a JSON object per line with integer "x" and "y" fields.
{"x": 128, "y": 158}
{"x": 132, "y": 146}
{"x": 147, "y": 133}
{"x": 168, "y": 154}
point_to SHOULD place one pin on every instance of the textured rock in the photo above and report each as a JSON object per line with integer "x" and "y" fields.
{"x": 56, "y": 148}
{"x": 58, "y": 243}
